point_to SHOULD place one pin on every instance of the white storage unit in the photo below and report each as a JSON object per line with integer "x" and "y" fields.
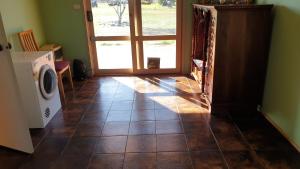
{"x": 37, "y": 81}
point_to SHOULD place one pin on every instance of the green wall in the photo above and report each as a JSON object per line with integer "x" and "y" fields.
{"x": 65, "y": 26}
{"x": 282, "y": 90}
{"x": 20, "y": 15}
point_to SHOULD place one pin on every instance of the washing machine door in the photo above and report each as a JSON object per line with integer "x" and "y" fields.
{"x": 47, "y": 82}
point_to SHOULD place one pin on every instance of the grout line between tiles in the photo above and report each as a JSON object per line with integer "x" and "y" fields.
{"x": 220, "y": 150}
{"x": 249, "y": 148}
{"x": 185, "y": 137}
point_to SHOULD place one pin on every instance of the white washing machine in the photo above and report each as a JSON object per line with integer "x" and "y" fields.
{"x": 37, "y": 80}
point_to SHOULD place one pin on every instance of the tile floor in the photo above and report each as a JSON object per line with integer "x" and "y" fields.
{"x": 150, "y": 123}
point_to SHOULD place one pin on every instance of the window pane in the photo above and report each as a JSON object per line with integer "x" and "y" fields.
{"x": 165, "y": 50}
{"x": 114, "y": 55}
{"x": 111, "y": 17}
{"x": 159, "y": 17}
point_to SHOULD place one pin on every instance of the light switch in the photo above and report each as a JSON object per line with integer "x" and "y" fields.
{"x": 76, "y": 6}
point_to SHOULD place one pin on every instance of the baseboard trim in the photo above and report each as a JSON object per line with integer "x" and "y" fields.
{"x": 281, "y": 131}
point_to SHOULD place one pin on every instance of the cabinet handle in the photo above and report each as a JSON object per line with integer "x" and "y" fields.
{"x": 1, "y": 48}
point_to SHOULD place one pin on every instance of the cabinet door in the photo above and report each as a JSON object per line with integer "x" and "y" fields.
{"x": 14, "y": 131}
{"x": 211, "y": 41}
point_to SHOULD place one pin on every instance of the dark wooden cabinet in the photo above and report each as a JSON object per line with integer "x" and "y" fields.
{"x": 233, "y": 66}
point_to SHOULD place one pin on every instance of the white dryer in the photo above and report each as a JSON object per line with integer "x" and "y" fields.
{"x": 37, "y": 80}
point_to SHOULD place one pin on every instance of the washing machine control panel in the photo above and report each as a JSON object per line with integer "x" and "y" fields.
{"x": 37, "y": 64}
{"x": 49, "y": 57}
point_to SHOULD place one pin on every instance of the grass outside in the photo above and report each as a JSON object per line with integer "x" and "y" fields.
{"x": 157, "y": 20}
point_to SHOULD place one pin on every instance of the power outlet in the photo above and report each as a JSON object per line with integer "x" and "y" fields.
{"x": 76, "y": 6}
{"x": 259, "y": 108}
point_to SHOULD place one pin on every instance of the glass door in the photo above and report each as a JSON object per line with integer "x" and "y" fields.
{"x": 160, "y": 26}
{"x": 111, "y": 27}
{"x": 136, "y": 36}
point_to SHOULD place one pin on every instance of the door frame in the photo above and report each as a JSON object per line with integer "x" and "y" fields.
{"x": 136, "y": 38}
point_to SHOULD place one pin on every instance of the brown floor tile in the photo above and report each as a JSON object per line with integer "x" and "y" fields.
{"x": 140, "y": 161}
{"x": 106, "y": 104}
{"x": 84, "y": 99}
{"x": 80, "y": 146}
{"x": 37, "y": 135}
{"x": 88, "y": 91}
{"x": 89, "y": 129}
{"x": 123, "y": 97}
{"x": 65, "y": 120}
{"x": 99, "y": 107}
{"x": 143, "y": 98}
{"x": 143, "y": 105}
{"x": 256, "y": 123}
{"x": 72, "y": 116}
{"x": 121, "y": 105}
{"x": 201, "y": 142}
{"x": 174, "y": 160}
{"x": 37, "y": 162}
{"x": 60, "y": 121}
{"x": 107, "y": 161}
{"x": 142, "y": 128}
{"x": 162, "y": 114}
{"x": 191, "y": 114}
{"x": 74, "y": 108}
{"x": 241, "y": 159}
{"x": 279, "y": 159}
{"x": 46, "y": 154}
{"x": 94, "y": 117}
{"x": 223, "y": 126}
{"x": 196, "y": 127}
{"x": 12, "y": 159}
{"x": 115, "y": 144}
{"x": 166, "y": 105}
{"x": 125, "y": 90}
{"x": 231, "y": 142}
{"x": 71, "y": 162}
{"x": 260, "y": 139}
{"x": 143, "y": 115}
{"x": 174, "y": 142}
{"x": 113, "y": 112}
{"x": 168, "y": 127}
{"x": 208, "y": 160}
{"x": 61, "y": 132}
{"x": 119, "y": 116}
{"x": 141, "y": 143}
{"x": 51, "y": 146}
{"x": 115, "y": 129}
{"x": 105, "y": 94}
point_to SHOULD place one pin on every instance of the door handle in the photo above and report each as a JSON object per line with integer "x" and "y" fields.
{"x": 89, "y": 15}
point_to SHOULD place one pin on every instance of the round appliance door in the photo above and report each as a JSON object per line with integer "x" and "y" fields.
{"x": 47, "y": 82}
